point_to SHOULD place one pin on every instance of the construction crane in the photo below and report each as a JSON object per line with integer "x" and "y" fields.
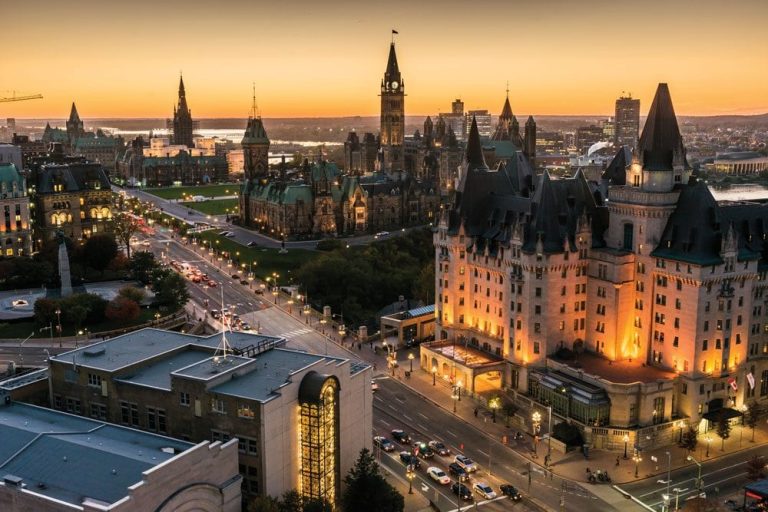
{"x": 21, "y": 98}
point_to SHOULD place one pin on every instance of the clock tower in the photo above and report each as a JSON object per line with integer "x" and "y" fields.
{"x": 392, "y": 114}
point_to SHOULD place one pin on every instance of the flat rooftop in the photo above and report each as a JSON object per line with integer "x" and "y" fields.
{"x": 271, "y": 371}
{"x": 146, "y": 344}
{"x": 620, "y": 372}
{"x": 70, "y": 458}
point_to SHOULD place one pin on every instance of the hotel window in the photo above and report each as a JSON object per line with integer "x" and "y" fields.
{"x": 704, "y": 345}
{"x": 684, "y": 388}
{"x": 678, "y": 304}
{"x": 677, "y": 323}
{"x": 248, "y": 445}
{"x": 537, "y": 327}
{"x": 73, "y": 405}
{"x": 99, "y": 411}
{"x": 184, "y": 399}
{"x": 538, "y": 292}
{"x": 537, "y": 309}
{"x": 536, "y": 347}
{"x": 676, "y": 341}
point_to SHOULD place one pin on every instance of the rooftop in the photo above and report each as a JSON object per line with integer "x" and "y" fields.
{"x": 145, "y": 344}
{"x": 620, "y": 372}
{"x": 71, "y": 458}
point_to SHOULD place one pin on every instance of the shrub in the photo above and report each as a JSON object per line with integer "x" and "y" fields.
{"x": 132, "y": 293}
{"x": 122, "y": 310}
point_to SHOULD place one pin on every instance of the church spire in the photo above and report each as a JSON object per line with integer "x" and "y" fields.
{"x": 73, "y": 115}
{"x": 393, "y": 70}
{"x": 182, "y": 93}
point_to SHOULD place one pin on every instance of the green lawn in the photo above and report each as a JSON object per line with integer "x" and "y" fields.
{"x": 267, "y": 260}
{"x": 227, "y": 189}
{"x": 217, "y": 207}
{"x": 23, "y": 329}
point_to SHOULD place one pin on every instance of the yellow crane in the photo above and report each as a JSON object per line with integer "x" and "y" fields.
{"x": 21, "y": 98}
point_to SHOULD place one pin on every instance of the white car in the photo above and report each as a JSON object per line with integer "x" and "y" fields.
{"x": 438, "y": 475}
{"x": 466, "y": 463}
{"x": 484, "y": 490}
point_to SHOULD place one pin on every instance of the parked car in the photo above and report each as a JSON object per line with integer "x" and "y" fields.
{"x": 258, "y": 291}
{"x": 382, "y": 233}
{"x": 438, "y": 475}
{"x": 230, "y": 234}
{"x": 252, "y": 244}
{"x": 462, "y": 491}
{"x": 244, "y": 282}
{"x": 215, "y": 314}
{"x": 511, "y": 492}
{"x": 400, "y": 436}
{"x": 458, "y": 472}
{"x": 212, "y": 283}
{"x": 466, "y": 463}
{"x": 439, "y": 448}
{"x": 384, "y": 443}
{"x": 245, "y": 326}
{"x": 409, "y": 459}
{"x": 235, "y": 277}
{"x": 484, "y": 490}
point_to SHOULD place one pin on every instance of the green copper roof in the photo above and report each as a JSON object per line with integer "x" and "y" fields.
{"x": 9, "y": 175}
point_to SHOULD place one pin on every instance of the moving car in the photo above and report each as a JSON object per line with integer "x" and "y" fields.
{"x": 439, "y": 448}
{"x": 252, "y": 244}
{"x": 215, "y": 313}
{"x": 462, "y": 491}
{"x": 438, "y": 475}
{"x": 230, "y": 234}
{"x": 424, "y": 451}
{"x": 245, "y": 326}
{"x": 235, "y": 277}
{"x": 466, "y": 463}
{"x": 383, "y": 443}
{"x": 511, "y": 492}
{"x": 409, "y": 459}
{"x": 212, "y": 283}
{"x": 458, "y": 472}
{"x": 374, "y": 385}
{"x": 400, "y": 436}
{"x": 484, "y": 490}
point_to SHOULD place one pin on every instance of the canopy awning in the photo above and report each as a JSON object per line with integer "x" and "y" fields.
{"x": 727, "y": 411}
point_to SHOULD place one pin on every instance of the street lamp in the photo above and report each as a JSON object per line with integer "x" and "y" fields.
{"x": 637, "y": 459}
{"x": 434, "y": 375}
{"x": 58, "y": 322}
{"x": 626, "y": 441}
{"x": 459, "y": 385}
{"x": 709, "y": 441}
{"x": 409, "y": 474}
{"x": 410, "y": 360}
{"x": 536, "y": 417}
{"x": 691, "y": 458}
{"x": 680, "y": 436}
{"x": 455, "y": 398}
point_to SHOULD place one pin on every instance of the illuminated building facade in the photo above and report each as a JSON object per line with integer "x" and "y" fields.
{"x": 657, "y": 291}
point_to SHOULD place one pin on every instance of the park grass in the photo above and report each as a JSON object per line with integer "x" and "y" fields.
{"x": 225, "y": 189}
{"x": 216, "y": 207}
{"x": 268, "y": 261}
{"x": 22, "y": 329}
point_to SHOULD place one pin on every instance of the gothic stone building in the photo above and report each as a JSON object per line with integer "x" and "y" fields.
{"x": 659, "y": 288}
{"x": 15, "y": 226}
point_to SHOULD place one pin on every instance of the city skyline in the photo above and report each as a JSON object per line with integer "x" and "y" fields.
{"x": 326, "y": 61}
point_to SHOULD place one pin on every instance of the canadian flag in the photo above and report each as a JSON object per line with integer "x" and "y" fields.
{"x": 732, "y": 383}
{"x": 751, "y": 380}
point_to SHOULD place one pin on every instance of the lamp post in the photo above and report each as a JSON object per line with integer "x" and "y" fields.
{"x": 637, "y": 459}
{"x": 58, "y": 324}
{"x": 669, "y": 471}
{"x": 680, "y": 436}
{"x": 677, "y": 492}
{"x": 536, "y": 417}
{"x": 434, "y": 375}
{"x": 709, "y": 441}
{"x": 626, "y": 441}
{"x": 691, "y": 458}
{"x": 454, "y": 397}
{"x": 459, "y": 385}
{"x": 410, "y": 360}
{"x": 494, "y": 403}
{"x": 409, "y": 474}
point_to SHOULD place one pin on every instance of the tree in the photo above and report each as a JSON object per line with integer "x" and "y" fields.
{"x": 364, "y": 481}
{"x": 699, "y": 504}
{"x": 756, "y": 468}
{"x": 45, "y": 311}
{"x": 262, "y": 504}
{"x": 76, "y": 314}
{"x": 424, "y": 286}
{"x": 723, "y": 428}
{"x": 99, "y": 251}
{"x": 170, "y": 288}
{"x": 125, "y": 226}
{"x": 753, "y": 415}
{"x": 142, "y": 265}
{"x": 122, "y": 310}
{"x": 290, "y": 502}
{"x": 131, "y": 292}
{"x": 690, "y": 438}
{"x": 316, "y": 505}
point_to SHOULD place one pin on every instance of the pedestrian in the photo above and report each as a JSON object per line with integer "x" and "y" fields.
{"x": 374, "y": 366}
{"x": 617, "y": 461}
{"x": 475, "y": 412}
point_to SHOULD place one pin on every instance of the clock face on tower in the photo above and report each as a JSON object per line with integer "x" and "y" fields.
{"x": 395, "y": 85}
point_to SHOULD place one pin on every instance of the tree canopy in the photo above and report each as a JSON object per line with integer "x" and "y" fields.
{"x": 365, "y": 480}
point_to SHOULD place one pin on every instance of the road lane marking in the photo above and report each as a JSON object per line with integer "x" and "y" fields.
{"x": 450, "y": 433}
{"x": 423, "y": 416}
{"x": 405, "y": 416}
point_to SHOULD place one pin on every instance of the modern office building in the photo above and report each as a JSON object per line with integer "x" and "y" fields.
{"x": 626, "y": 122}
{"x": 57, "y": 462}
{"x": 629, "y": 316}
{"x": 300, "y": 419}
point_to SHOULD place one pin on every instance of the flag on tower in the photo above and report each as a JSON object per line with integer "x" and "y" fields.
{"x": 395, "y": 31}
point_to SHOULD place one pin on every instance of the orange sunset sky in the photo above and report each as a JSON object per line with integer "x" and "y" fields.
{"x": 315, "y": 58}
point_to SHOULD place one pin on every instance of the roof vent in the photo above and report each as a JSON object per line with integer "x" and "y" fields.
{"x": 13, "y": 481}
{"x": 94, "y": 351}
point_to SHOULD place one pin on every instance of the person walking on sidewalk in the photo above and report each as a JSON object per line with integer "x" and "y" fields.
{"x": 617, "y": 461}
{"x": 475, "y": 412}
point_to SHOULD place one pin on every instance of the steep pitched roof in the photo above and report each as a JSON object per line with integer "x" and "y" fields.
{"x": 255, "y": 132}
{"x": 506, "y": 111}
{"x": 474, "y": 154}
{"x": 73, "y": 115}
{"x": 616, "y": 172}
{"x": 661, "y": 146}
{"x": 393, "y": 71}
